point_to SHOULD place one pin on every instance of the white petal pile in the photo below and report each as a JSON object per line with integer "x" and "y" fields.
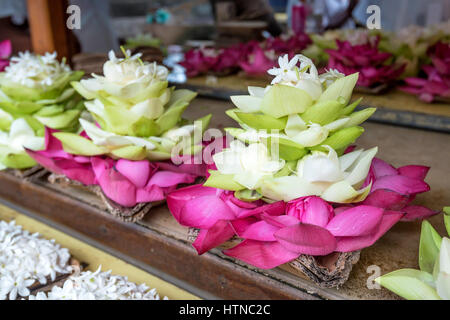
{"x": 98, "y": 285}
{"x": 27, "y": 258}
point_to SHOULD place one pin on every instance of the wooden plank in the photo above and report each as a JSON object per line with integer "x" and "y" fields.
{"x": 49, "y": 33}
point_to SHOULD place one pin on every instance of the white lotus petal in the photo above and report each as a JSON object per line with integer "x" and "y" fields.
{"x": 289, "y": 187}
{"x": 337, "y": 124}
{"x": 250, "y": 180}
{"x": 343, "y": 192}
{"x": 20, "y": 127}
{"x": 312, "y": 87}
{"x": 35, "y": 143}
{"x": 444, "y": 256}
{"x": 320, "y": 167}
{"x": 151, "y": 108}
{"x": 93, "y": 84}
{"x": 96, "y": 107}
{"x": 361, "y": 167}
{"x": 247, "y": 103}
{"x": 256, "y": 91}
{"x": 228, "y": 162}
{"x": 294, "y": 125}
{"x": 312, "y": 136}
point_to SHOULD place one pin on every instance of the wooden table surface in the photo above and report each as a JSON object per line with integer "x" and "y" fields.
{"x": 160, "y": 243}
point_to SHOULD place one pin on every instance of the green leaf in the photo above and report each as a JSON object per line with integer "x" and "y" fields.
{"x": 322, "y": 112}
{"x": 349, "y": 109}
{"x": 222, "y": 181}
{"x": 342, "y": 87}
{"x": 430, "y": 244}
{"x": 359, "y": 117}
{"x": 340, "y": 139}
{"x": 130, "y": 153}
{"x": 282, "y": 100}
{"x": 247, "y": 195}
{"x": 262, "y": 121}
{"x": 447, "y": 219}
{"x": 410, "y": 284}
{"x": 75, "y": 144}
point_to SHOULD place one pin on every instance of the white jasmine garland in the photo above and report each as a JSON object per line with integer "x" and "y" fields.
{"x": 98, "y": 285}
{"x": 35, "y": 71}
{"x": 27, "y": 258}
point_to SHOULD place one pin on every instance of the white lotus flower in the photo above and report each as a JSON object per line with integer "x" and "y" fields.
{"x": 335, "y": 179}
{"x": 247, "y": 164}
{"x": 35, "y": 71}
{"x": 21, "y": 135}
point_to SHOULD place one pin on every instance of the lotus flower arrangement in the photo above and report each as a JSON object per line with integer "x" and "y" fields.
{"x": 432, "y": 281}
{"x": 375, "y": 67}
{"x": 133, "y": 130}
{"x": 5, "y": 52}
{"x": 290, "y": 184}
{"x": 35, "y": 92}
{"x": 436, "y": 85}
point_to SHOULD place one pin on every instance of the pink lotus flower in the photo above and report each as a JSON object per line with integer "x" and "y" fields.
{"x": 292, "y": 45}
{"x": 124, "y": 181}
{"x": 5, "y": 52}
{"x": 199, "y": 61}
{"x": 256, "y": 62}
{"x": 274, "y": 234}
{"x": 437, "y": 81}
{"x": 374, "y": 66}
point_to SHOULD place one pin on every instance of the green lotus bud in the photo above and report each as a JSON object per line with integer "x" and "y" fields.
{"x": 222, "y": 181}
{"x": 248, "y": 195}
{"x": 282, "y": 100}
{"x": 262, "y": 121}
{"x": 75, "y": 144}
{"x": 349, "y": 109}
{"x": 430, "y": 244}
{"x": 322, "y": 112}
{"x": 340, "y": 139}
{"x": 359, "y": 117}
{"x": 130, "y": 153}
{"x": 410, "y": 284}
{"x": 342, "y": 87}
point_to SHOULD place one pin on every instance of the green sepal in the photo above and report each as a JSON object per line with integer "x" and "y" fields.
{"x": 232, "y": 114}
{"x": 349, "y": 109}
{"x": 60, "y": 121}
{"x": 282, "y": 100}
{"x": 322, "y": 112}
{"x": 51, "y": 110}
{"x": 144, "y": 127}
{"x": 262, "y": 121}
{"x": 447, "y": 219}
{"x": 342, "y": 87}
{"x": 171, "y": 117}
{"x": 15, "y": 160}
{"x": 430, "y": 244}
{"x": 359, "y": 117}
{"x": 287, "y": 150}
{"x": 222, "y": 181}
{"x": 130, "y": 152}
{"x": 76, "y": 144}
{"x": 340, "y": 139}
{"x": 410, "y": 284}
{"x": 289, "y": 167}
{"x": 158, "y": 155}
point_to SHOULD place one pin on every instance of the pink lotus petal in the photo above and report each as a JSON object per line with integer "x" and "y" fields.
{"x": 401, "y": 184}
{"x": 168, "y": 179}
{"x": 137, "y": 172}
{"x": 82, "y": 159}
{"x": 208, "y": 239}
{"x": 100, "y": 165}
{"x": 381, "y": 168}
{"x": 240, "y": 225}
{"x": 117, "y": 187}
{"x": 348, "y": 244}
{"x": 273, "y": 209}
{"x": 76, "y": 171}
{"x": 417, "y": 212}
{"x": 387, "y": 199}
{"x": 264, "y": 255}
{"x": 194, "y": 169}
{"x": 204, "y": 212}
{"x": 261, "y": 231}
{"x": 5, "y": 49}
{"x": 150, "y": 194}
{"x": 44, "y": 161}
{"x": 357, "y": 221}
{"x": 310, "y": 210}
{"x": 306, "y": 239}
{"x": 414, "y": 171}
{"x": 280, "y": 221}
{"x": 177, "y": 199}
